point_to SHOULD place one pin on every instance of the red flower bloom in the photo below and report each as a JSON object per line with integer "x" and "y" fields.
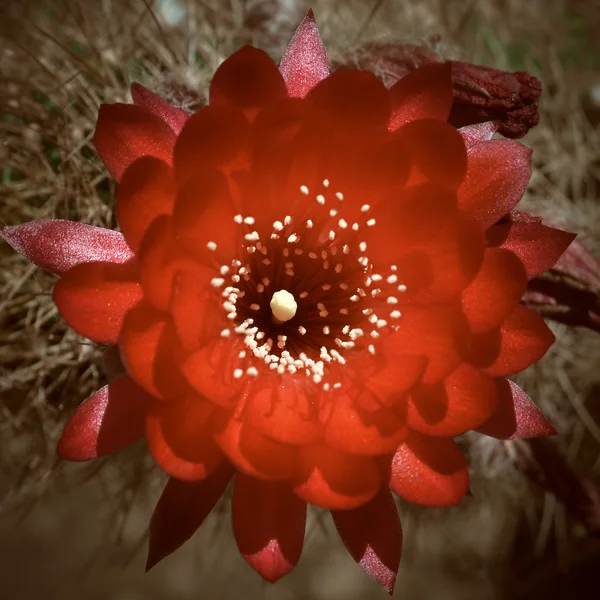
{"x": 314, "y": 291}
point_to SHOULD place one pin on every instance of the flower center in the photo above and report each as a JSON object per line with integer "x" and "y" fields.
{"x": 305, "y": 294}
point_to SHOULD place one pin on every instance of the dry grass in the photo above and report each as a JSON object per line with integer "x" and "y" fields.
{"x": 61, "y": 58}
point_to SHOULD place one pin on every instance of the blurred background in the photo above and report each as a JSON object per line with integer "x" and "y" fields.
{"x": 76, "y": 531}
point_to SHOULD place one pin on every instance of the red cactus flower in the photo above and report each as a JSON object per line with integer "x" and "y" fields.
{"x": 314, "y": 291}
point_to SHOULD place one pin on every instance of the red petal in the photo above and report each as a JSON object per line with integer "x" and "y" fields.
{"x": 148, "y": 350}
{"x": 352, "y": 98}
{"x": 387, "y": 385}
{"x": 516, "y": 416}
{"x": 210, "y": 370}
{"x": 332, "y": 479}
{"x": 215, "y": 136}
{"x": 57, "y": 246}
{"x": 174, "y": 117}
{"x": 536, "y": 245}
{"x": 147, "y": 190}
{"x": 285, "y": 411}
{"x": 161, "y": 260}
{"x": 94, "y": 298}
{"x": 429, "y": 471}
{"x": 437, "y": 251}
{"x": 268, "y": 525}
{"x": 522, "y": 339}
{"x": 125, "y": 132}
{"x": 195, "y": 310}
{"x": 278, "y": 159}
{"x": 252, "y": 452}
{"x": 108, "y": 421}
{"x": 480, "y": 132}
{"x": 437, "y": 152}
{"x": 247, "y": 79}
{"x": 439, "y": 334}
{"x": 204, "y": 214}
{"x": 181, "y": 510}
{"x": 373, "y": 536}
{"x": 497, "y": 176}
{"x": 460, "y": 403}
{"x": 357, "y": 431}
{"x": 425, "y": 93}
{"x": 495, "y": 291}
{"x": 304, "y": 61}
{"x": 158, "y": 258}
{"x": 180, "y": 438}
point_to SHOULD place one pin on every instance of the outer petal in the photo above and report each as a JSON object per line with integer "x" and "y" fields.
{"x": 335, "y": 480}
{"x": 304, "y": 62}
{"x": 429, "y": 471}
{"x": 57, "y": 246}
{"x": 173, "y": 116}
{"x": 125, "y": 132}
{"x": 480, "y": 132}
{"x": 352, "y": 98}
{"x": 268, "y": 524}
{"x": 180, "y": 438}
{"x": 94, "y": 298}
{"x": 147, "y": 190}
{"x": 516, "y": 416}
{"x": 108, "y": 421}
{"x": 522, "y": 339}
{"x": 495, "y": 291}
{"x": 463, "y": 401}
{"x": 181, "y": 510}
{"x": 536, "y": 245}
{"x": 497, "y": 176}
{"x": 248, "y": 79}
{"x": 425, "y": 93}
{"x": 373, "y": 536}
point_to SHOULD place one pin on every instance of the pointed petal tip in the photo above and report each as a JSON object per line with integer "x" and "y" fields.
{"x": 151, "y": 562}
{"x": 181, "y": 509}
{"x": 517, "y": 417}
{"x": 57, "y": 245}
{"x": 372, "y": 534}
{"x": 270, "y": 564}
{"x": 106, "y": 422}
{"x": 304, "y": 63}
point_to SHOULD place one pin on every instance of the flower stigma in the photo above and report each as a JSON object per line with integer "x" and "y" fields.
{"x": 283, "y": 306}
